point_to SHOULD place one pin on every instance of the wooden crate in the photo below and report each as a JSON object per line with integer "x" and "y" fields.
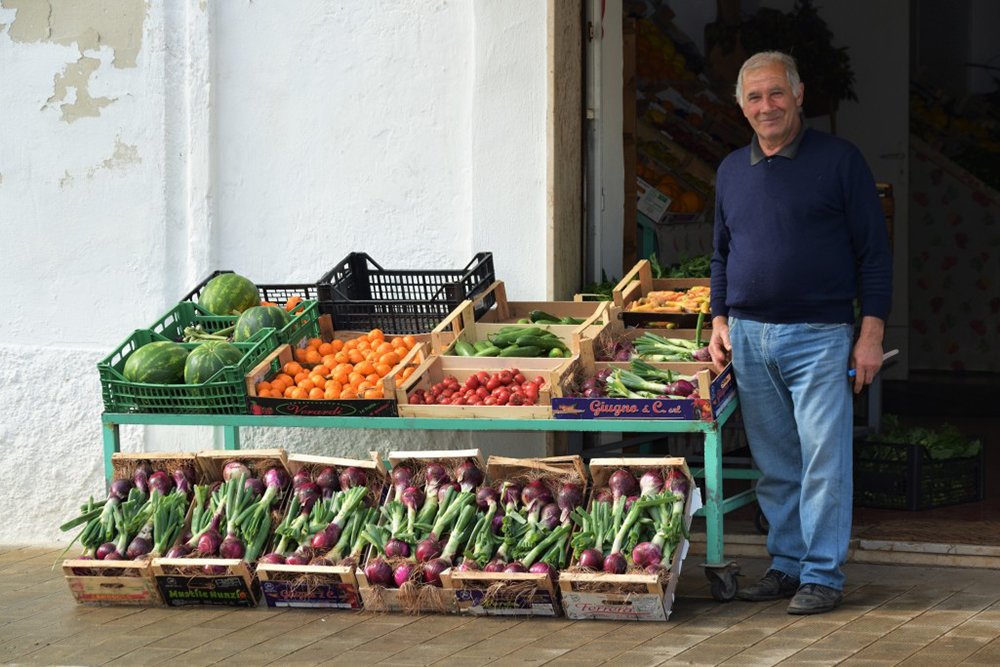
{"x": 722, "y": 389}
{"x": 431, "y": 599}
{"x": 184, "y": 582}
{"x": 639, "y": 282}
{"x": 509, "y": 312}
{"x": 640, "y": 597}
{"x": 112, "y": 583}
{"x": 436, "y": 368}
{"x": 471, "y": 588}
{"x": 462, "y": 325}
{"x": 619, "y": 332}
{"x": 101, "y": 583}
{"x": 319, "y": 586}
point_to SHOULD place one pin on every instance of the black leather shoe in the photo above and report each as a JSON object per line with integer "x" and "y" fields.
{"x": 774, "y": 585}
{"x": 815, "y": 599}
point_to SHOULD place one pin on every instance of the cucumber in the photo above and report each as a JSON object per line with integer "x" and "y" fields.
{"x": 481, "y": 345}
{"x": 547, "y": 322}
{"x": 505, "y": 339}
{"x": 491, "y": 351}
{"x": 516, "y": 329}
{"x": 464, "y": 349}
{"x": 541, "y": 342}
{"x": 570, "y": 320}
{"x": 524, "y": 320}
{"x": 538, "y": 315}
{"x": 521, "y": 351}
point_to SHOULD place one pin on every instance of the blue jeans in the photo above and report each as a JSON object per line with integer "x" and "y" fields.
{"x": 798, "y": 413}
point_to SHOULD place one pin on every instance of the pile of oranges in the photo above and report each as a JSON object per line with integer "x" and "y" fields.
{"x": 340, "y": 369}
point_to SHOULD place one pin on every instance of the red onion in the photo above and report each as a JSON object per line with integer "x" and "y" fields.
{"x": 494, "y": 566}
{"x": 469, "y": 565}
{"x": 254, "y": 486}
{"x": 300, "y": 478}
{"x": 592, "y": 559}
{"x": 646, "y": 553}
{"x": 378, "y": 573}
{"x": 497, "y": 524}
{"x": 141, "y": 476}
{"x": 680, "y": 388}
{"x": 443, "y": 490}
{"x": 550, "y": 516}
{"x": 702, "y": 354}
{"x": 103, "y": 550}
{"x": 402, "y": 478}
{"x": 629, "y": 501}
{"x": 469, "y": 476}
{"x": 232, "y": 547}
{"x": 615, "y": 563}
{"x": 432, "y": 571}
{"x": 180, "y": 551}
{"x": 603, "y": 496}
{"x": 397, "y": 549}
{"x": 533, "y": 492}
{"x": 210, "y": 542}
{"x": 215, "y": 569}
{"x": 412, "y": 498}
{"x": 328, "y": 481}
{"x": 272, "y": 559}
{"x": 651, "y": 482}
{"x": 622, "y": 483}
{"x": 428, "y": 550}
{"x": 160, "y": 482}
{"x": 510, "y": 494}
{"x": 515, "y": 568}
{"x": 486, "y": 495}
{"x": 544, "y": 568}
{"x": 119, "y": 489}
{"x": 327, "y": 538}
{"x": 308, "y": 494}
{"x": 321, "y": 562}
{"x": 570, "y": 497}
{"x": 352, "y": 477}
{"x": 297, "y": 559}
{"x": 276, "y": 478}
{"x": 404, "y": 572}
{"x": 234, "y": 468}
{"x": 138, "y": 547}
{"x": 677, "y": 482}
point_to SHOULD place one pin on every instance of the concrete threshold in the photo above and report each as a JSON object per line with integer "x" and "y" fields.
{"x": 884, "y": 552}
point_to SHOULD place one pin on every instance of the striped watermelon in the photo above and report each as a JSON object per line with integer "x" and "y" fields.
{"x": 156, "y": 363}
{"x": 254, "y": 319}
{"x": 228, "y": 294}
{"x": 208, "y": 359}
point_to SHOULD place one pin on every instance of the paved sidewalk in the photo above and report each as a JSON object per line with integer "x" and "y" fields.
{"x": 892, "y": 615}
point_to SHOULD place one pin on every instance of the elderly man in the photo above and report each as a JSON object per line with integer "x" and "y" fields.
{"x": 799, "y": 235}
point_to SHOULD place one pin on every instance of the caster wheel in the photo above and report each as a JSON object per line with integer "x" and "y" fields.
{"x": 724, "y": 586}
{"x": 760, "y": 522}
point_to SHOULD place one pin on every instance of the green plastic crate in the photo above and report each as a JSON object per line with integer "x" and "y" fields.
{"x": 225, "y": 392}
{"x": 303, "y": 325}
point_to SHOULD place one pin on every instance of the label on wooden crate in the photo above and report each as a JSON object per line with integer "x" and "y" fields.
{"x": 229, "y": 591}
{"x": 323, "y": 408}
{"x": 472, "y": 601}
{"x": 651, "y": 202}
{"x": 97, "y": 590}
{"x": 341, "y": 595}
{"x": 604, "y": 606}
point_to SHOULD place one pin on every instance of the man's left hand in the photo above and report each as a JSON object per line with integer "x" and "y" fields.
{"x": 866, "y": 357}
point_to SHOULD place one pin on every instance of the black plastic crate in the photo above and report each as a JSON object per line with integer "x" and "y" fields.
{"x": 278, "y": 294}
{"x": 904, "y": 476}
{"x": 361, "y": 295}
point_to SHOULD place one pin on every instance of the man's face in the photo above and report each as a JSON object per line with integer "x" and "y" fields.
{"x": 771, "y": 106}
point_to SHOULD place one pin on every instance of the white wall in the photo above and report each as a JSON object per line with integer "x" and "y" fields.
{"x": 145, "y": 145}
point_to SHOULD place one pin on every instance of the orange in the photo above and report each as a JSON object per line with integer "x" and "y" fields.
{"x": 363, "y": 345}
{"x": 354, "y": 379}
{"x": 396, "y": 341}
{"x": 263, "y": 386}
{"x": 365, "y": 368}
{"x": 390, "y": 359}
{"x": 341, "y": 357}
{"x": 373, "y": 378}
{"x": 334, "y": 385}
{"x": 314, "y": 342}
{"x": 278, "y": 386}
{"x": 383, "y": 369}
{"x": 299, "y": 377}
{"x": 313, "y": 357}
{"x": 288, "y": 391}
{"x": 331, "y": 394}
{"x": 321, "y": 370}
{"x": 343, "y": 377}
{"x": 318, "y": 380}
{"x": 351, "y": 344}
{"x": 407, "y": 372}
{"x": 401, "y": 351}
{"x": 376, "y": 334}
{"x": 384, "y": 348}
{"x": 338, "y": 345}
{"x": 363, "y": 386}
{"x": 298, "y": 393}
{"x": 300, "y": 355}
{"x": 348, "y": 394}
{"x": 316, "y": 393}
{"x": 329, "y": 360}
{"x": 325, "y": 349}
{"x": 409, "y": 341}
{"x": 355, "y": 357}
{"x": 306, "y": 385}
{"x": 292, "y": 367}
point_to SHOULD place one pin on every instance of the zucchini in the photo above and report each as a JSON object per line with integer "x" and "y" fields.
{"x": 537, "y": 315}
{"x": 491, "y": 351}
{"x": 521, "y": 351}
{"x": 541, "y": 342}
{"x": 464, "y": 349}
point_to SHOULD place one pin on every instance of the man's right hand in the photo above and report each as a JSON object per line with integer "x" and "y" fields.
{"x": 719, "y": 346}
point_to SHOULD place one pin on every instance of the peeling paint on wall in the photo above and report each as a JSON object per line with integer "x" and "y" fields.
{"x": 91, "y": 25}
{"x": 77, "y": 76}
{"x": 123, "y": 156}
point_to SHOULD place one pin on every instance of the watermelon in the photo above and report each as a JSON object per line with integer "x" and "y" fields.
{"x": 156, "y": 363}
{"x": 208, "y": 359}
{"x": 228, "y": 294}
{"x": 254, "y": 319}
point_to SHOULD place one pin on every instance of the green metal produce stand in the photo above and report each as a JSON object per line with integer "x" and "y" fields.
{"x": 721, "y": 573}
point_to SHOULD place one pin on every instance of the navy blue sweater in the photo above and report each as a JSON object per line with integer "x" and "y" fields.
{"x": 797, "y": 239}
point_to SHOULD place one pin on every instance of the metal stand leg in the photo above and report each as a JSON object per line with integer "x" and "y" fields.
{"x": 720, "y": 573}
{"x": 112, "y": 445}
{"x": 231, "y": 437}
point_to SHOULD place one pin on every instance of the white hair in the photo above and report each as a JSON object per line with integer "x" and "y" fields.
{"x": 764, "y": 59}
